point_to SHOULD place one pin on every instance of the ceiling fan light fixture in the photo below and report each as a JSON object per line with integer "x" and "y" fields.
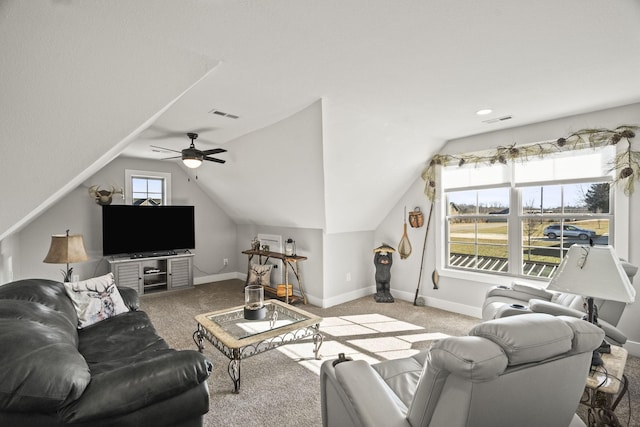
{"x": 192, "y": 158}
{"x": 192, "y": 163}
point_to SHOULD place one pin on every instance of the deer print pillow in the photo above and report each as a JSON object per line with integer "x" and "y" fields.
{"x": 259, "y": 274}
{"x": 95, "y": 299}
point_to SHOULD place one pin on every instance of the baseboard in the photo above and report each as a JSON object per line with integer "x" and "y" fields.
{"x": 342, "y": 298}
{"x": 441, "y": 304}
{"x": 218, "y": 278}
{"x": 633, "y": 347}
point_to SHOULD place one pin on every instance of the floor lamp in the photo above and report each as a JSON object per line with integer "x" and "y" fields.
{"x": 65, "y": 249}
{"x": 593, "y": 272}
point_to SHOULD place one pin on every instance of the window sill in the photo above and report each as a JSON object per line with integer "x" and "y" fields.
{"x": 488, "y": 278}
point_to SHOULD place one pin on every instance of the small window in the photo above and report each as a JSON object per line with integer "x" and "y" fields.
{"x": 147, "y": 188}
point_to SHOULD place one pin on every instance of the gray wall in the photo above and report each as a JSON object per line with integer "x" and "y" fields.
{"x": 215, "y": 231}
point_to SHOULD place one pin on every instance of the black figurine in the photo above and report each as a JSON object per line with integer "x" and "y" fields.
{"x": 383, "y": 259}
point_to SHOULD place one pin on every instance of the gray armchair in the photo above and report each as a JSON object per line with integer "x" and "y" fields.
{"x": 520, "y": 298}
{"x": 525, "y": 370}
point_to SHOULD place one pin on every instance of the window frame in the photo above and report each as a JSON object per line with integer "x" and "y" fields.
{"x": 132, "y": 173}
{"x": 619, "y": 214}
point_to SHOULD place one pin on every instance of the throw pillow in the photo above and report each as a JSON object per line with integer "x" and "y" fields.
{"x": 259, "y": 274}
{"x": 95, "y": 299}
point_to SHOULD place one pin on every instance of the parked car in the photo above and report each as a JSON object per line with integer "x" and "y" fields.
{"x": 553, "y": 232}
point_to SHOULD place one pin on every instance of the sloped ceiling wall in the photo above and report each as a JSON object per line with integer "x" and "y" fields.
{"x": 273, "y": 176}
{"x": 77, "y": 87}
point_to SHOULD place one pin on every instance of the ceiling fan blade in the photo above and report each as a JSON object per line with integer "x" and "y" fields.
{"x": 214, "y": 151}
{"x": 169, "y": 158}
{"x": 166, "y": 149}
{"x": 212, "y": 159}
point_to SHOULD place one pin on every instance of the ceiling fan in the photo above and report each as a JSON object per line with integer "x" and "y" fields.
{"x": 192, "y": 157}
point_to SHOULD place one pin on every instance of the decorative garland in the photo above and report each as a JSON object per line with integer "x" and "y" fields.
{"x": 626, "y": 164}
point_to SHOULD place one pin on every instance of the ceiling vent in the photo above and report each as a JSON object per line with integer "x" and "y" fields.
{"x": 217, "y": 112}
{"x": 497, "y": 119}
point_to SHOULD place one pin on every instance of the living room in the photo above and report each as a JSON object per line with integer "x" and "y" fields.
{"x": 79, "y": 106}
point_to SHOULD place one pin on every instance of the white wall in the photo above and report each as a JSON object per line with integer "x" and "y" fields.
{"x": 348, "y": 267}
{"x": 465, "y": 295}
{"x": 215, "y": 231}
{"x": 308, "y": 243}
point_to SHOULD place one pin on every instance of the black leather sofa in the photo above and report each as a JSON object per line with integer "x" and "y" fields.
{"x": 117, "y": 372}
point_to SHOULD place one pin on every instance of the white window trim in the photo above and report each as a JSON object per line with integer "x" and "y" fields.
{"x": 130, "y": 173}
{"x": 621, "y": 215}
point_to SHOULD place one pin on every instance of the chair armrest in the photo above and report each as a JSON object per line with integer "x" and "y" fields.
{"x": 373, "y": 402}
{"x": 612, "y": 334}
{"x": 130, "y": 297}
{"x": 540, "y": 306}
{"x": 135, "y": 386}
{"x": 519, "y": 293}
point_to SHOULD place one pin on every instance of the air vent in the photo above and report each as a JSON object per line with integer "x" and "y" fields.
{"x": 217, "y": 112}
{"x": 497, "y": 119}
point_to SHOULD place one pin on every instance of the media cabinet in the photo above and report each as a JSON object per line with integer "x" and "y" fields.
{"x": 153, "y": 274}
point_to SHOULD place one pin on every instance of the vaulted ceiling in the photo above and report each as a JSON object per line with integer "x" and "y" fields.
{"x": 388, "y": 82}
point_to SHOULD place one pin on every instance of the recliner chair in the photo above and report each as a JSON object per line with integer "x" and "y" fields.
{"x": 525, "y": 370}
{"x": 520, "y": 298}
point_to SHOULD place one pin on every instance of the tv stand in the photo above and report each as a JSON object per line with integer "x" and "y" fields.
{"x": 152, "y": 272}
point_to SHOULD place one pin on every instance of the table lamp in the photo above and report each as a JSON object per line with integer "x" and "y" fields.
{"x": 593, "y": 272}
{"x": 65, "y": 249}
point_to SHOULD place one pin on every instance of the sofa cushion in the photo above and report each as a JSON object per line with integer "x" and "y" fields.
{"x": 40, "y": 367}
{"x": 118, "y": 341}
{"x": 552, "y": 336}
{"x": 95, "y": 299}
{"x": 46, "y": 292}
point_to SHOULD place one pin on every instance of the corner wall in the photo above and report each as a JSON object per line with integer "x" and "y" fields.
{"x": 215, "y": 231}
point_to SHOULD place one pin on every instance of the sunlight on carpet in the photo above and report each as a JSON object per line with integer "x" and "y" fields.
{"x": 350, "y": 329}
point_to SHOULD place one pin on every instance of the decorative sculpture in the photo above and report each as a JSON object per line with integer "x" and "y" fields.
{"x": 383, "y": 259}
{"x": 104, "y": 197}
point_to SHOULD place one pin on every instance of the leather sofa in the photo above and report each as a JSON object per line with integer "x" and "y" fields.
{"x": 116, "y": 372}
{"x": 520, "y": 298}
{"x": 526, "y": 371}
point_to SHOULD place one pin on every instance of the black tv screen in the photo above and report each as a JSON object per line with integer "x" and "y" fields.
{"x": 147, "y": 229}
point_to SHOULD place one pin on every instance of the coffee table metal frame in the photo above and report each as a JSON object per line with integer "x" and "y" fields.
{"x": 214, "y": 328}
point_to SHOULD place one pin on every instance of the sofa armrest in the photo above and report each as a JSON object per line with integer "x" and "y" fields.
{"x": 130, "y": 297}
{"x": 373, "y": 402}
{"x": 129, "y": 388}
{"x": 612, "y": 334}
{"x": 518, "y": 294}
{"x": 540, "y": 306}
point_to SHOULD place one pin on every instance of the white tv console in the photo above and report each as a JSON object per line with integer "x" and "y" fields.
{"x": 153, "y": 273}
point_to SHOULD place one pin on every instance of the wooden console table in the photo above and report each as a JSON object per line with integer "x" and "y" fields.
{"x": 288, "y": 261}
{"x": 606, "y": 385}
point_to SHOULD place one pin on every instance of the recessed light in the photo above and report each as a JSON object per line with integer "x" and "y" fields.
{"x": 484, "y": 111}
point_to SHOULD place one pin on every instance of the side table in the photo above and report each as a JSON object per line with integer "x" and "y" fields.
{"x": 606, "y": 385}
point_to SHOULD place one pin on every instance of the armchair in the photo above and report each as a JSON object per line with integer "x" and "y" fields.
{"x": 520, "y": 298}
{"x": 522, "y": 370}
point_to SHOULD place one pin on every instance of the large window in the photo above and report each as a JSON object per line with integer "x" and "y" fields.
{"x": 520, "y": 218}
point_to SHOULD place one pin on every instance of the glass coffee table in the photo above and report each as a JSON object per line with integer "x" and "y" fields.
{"x": 238, "y": 338}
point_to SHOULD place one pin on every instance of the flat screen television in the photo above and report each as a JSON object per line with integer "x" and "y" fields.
{"x": 145, "y": 230}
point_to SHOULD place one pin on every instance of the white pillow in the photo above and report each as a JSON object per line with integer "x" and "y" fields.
{"x": 259, "y": 274}
{"x": 95, "y": 299}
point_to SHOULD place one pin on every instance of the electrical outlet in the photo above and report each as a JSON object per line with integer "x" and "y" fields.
{"x": 225, "y": 261}
{"x": 348, "y": 277}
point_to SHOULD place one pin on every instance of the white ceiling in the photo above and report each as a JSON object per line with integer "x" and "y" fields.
{"x": 396, "y": 79}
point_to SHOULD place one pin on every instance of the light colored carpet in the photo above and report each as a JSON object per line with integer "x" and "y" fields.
{"x": 280, "y": 389}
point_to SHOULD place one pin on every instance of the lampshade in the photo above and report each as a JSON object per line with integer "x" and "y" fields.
{"x": 593, "y": 271}
{"x": 66, "y": 249}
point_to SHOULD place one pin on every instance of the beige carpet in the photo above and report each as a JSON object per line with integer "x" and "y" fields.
{"x": 281, "y": 387}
